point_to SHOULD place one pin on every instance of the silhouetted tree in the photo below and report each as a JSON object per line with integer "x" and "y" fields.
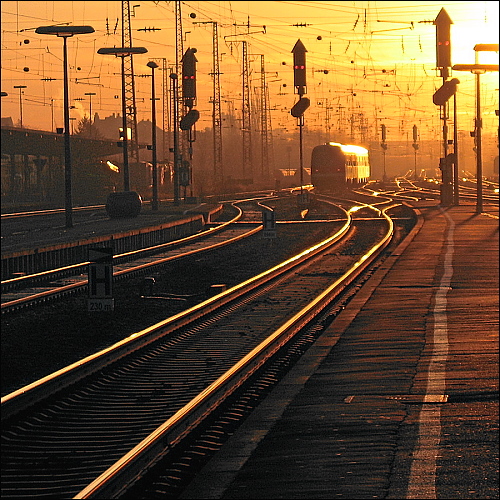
{"x": 85, "y": 129}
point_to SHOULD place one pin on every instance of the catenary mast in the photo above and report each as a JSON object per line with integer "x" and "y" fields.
{"x": 130, "y": 106}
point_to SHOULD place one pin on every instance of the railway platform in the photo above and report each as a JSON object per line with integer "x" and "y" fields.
{"x": 399, "y": 396}
{"x": 30, "y": 233}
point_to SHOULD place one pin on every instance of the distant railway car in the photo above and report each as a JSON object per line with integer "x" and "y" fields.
{"x": 337, "y": 166}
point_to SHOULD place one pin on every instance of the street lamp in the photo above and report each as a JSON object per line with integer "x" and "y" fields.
{"x": 20, "y": 87}
{"x": 154, "y": 203}
{"x": 66, "y": 32}
{"x": 479, "y": 69}
{"x": 123, "y": 52}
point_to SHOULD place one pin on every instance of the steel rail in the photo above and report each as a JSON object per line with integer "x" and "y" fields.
{"x": 20, "y": 280}
{"x": 294, "y": 272}
{"x": 135, "y": 463}
{"x": 52, "y": 211}
{"x": 32, "y": 393}
{"x": 81, "y": 284}
{"x": 28, "y": 280}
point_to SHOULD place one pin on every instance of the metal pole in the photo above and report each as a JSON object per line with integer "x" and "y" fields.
{"x": 68, "y": 203}
{"x": 52, "y": 113}
{"x": 21, "y": 105}
{"x": 384, "y": 179}
{"x": 20, "y": 87}
{"x": 445, "y": 130}
{"x": 175, "y": 103}
{"x": 90, "y": 94}
{"x": 126, "y": 175}
{"x": 301, "y": 156}
{"x": 90, "y": 113}
{"x": 154, "y": 205}
{"x": 456, "y": 193}
{"x": 415, "y": 169}
{"x": 479, "y": 161}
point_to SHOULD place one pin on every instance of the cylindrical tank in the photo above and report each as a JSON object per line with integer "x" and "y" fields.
{"x": 123, "y": 204}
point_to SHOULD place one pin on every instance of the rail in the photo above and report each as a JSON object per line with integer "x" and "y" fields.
{"x": 120, "y": 475}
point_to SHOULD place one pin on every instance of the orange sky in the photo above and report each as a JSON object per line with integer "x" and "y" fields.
{"x": 372, "y": 60}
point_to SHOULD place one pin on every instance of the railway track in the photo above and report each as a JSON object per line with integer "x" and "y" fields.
{"x": 31, "y": 290}
{"x": 407, "y": 189}
{"x": 150, "y": 390}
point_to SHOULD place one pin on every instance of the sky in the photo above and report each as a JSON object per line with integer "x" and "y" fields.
{"x": 367, "y": 63}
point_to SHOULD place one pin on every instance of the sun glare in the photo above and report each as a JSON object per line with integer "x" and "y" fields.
{"x": 483, "y": 28}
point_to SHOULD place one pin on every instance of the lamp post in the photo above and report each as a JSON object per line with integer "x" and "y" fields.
{"x": 154, "y": 203}
{"x": 20, "y": 87}
{"x": 66, "y": 32}
{"x": 90, "y": 94}
{"x": 478, "y": 125}
{"x": 478, "y": 69}
{"x": 123, "y": 52}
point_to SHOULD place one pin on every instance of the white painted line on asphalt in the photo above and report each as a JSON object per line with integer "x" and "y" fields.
{"x": 422, "y": 480}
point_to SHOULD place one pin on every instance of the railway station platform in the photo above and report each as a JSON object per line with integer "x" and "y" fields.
{"x": 399, "y": 396}
{"x": 30, "y": 233}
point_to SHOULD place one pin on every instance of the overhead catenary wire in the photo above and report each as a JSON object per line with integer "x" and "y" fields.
{"x": 336, "y": 23}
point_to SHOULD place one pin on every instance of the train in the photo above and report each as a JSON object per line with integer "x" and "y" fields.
{"x": 336, "y": 167}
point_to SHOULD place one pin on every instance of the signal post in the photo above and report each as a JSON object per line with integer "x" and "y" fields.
{"x": 449, "y": 163}
{"x": 383, "y": 145}
{"x": 299, "y": 82}
{"x": 189, "y": 119}
{"x": 443, "y": 23}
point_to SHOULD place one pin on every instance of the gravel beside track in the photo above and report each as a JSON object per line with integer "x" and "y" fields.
{"x": 38, "y": 342}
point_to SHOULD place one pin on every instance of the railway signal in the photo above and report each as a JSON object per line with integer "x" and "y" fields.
{"x": 299, "y": 67}
{"x": 299, "y": 82}
{"x": 189, "y": 119}
{"x": 446, "y": 90}
{"x": 415, "y": 147}
{"x": 443, "y": 42}
{"x": 384, "y": 137}
{"x": 189, "y": 77}
{"x": 383, "y": 145}
{"x": 299, "y": 107}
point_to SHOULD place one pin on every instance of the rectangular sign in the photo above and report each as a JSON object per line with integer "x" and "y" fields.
{"x": 100, "y": 280}
{"x": 269, "y": 222}
{"x": 269, "y": 233}
{"x": 100, "y": 305}
{"x": 100, "y": 273}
